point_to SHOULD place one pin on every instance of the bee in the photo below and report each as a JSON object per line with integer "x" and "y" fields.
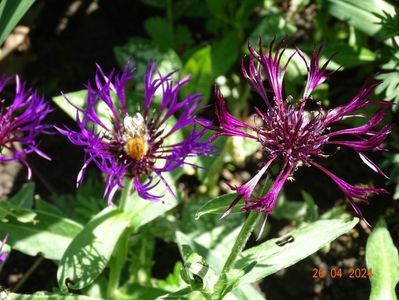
{"x": 136, "y": 136}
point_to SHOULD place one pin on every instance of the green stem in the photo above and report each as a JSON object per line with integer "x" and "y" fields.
{"x": 128, "y": 183}
{"x": 241, "y": 240}
{"x": 120, "y": 252}
{"x": 117, "y": 263}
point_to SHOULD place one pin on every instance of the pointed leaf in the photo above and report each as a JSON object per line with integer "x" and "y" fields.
{"x": 218, "y": 206}
{"x": 11, "y": 12}
{"x": 45, "y": 233}
{"x": 383, "y": 261}
{"x": 276, "y": 254}
{"x": 89, "y": 252}
{"x": 24, "y": 197}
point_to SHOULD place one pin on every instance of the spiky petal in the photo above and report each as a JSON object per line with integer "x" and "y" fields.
{"x": 136, "y": 143}
{"x": 21, "y": 123}
{"x": 294, "y": 136}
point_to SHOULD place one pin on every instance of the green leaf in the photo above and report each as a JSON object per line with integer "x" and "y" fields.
{"x": 218, "y": 8}
{"x": 183, "y": 239}
{"x": 383, "y": 260}
{"x": 42, "y": 233}
{"x": 199, "y": 66}
{"x": 272, "y": 25}
{"x": 47, "y": 296}
{"x": 24, "y": 197}
{"x": 268, "y": 258}
{"x": 224, "y": 53}
{"x": 134, "y": 291}
{"x": 347, "y": 56}
{"x": 289, "y": 210}
{"x": 213, "y": 165}
{"x": 78, "y": 98}
{"x": 11, "y": 12}
{"x": 364, "y": 15}
{"x": 89, "y": 252}
{"x": 390, "y": 79}
{"x": 161, "y": 32}
{"x": 243, "y": 13}
{"x": 196, "y": 270}
{"x": 141, "y": 211}
{"x": 182, "y": 294}
{"x": 182, "y": 36}
{"x": 245, "y": 292}
{"x": 141, "y": 51}
{"x": 218, "y": 206}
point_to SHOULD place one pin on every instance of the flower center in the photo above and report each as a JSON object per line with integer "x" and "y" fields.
{"x": 292, "y": 133}
{"x": 136, "y": 136}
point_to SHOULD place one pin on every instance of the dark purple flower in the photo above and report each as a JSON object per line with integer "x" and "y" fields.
{"x": 3, "y": 256}
{"x": 287, "y": 132}
{"x": 136, "y": 143}
{"x": 20, "y": 123}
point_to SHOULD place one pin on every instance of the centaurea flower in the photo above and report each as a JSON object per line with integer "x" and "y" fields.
{"x": 136, "y": 143}
{"x": 289, "y": 133}
{"x": 21, "y": 122}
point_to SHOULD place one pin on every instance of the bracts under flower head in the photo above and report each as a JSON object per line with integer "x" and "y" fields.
{"x": 137, "y": 143}
{"x": 294, "y": 136}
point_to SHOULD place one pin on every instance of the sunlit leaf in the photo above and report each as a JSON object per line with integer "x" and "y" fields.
{"x": 46, "y": 234}
{"x": 364, "y": 15}
{"x": 383, "y": 261}
{"x": 268, "y": 257}
{"x": 141, "y": 211}
{"x": 48, "y": 296}
{"x": 11, "y": 12}
{"x": 89, "y": 252}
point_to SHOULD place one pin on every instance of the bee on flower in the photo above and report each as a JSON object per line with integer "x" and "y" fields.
{"x": 135, "y": 143}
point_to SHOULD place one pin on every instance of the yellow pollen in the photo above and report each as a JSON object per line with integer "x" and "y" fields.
{"x": 136, "y": 147}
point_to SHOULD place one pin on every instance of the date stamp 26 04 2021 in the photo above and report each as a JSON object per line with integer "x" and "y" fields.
{"x": 338, "y": 273}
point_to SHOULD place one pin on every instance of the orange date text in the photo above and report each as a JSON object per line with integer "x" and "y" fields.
{"x": 338, "y": 273}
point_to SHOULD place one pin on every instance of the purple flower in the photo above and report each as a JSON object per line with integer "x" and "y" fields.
{"x": 20, "y": 123}
{"x": 289, "y": 133}
{"x": 3, "y": 256}
{"x": 136, "y": 143}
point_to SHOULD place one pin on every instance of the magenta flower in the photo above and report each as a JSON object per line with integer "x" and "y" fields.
{"x": 20, "y": 123}
{"x": 135, "y": 145}
{"x": 3, "y": 256}
{"x": 287, "y": 132}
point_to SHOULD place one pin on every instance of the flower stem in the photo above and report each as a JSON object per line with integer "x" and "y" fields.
{"x": 128, "y": 183}
{"x": 117, "y": 263}
{"x": 241, "y": 240}
{"x": 120, "y": 252}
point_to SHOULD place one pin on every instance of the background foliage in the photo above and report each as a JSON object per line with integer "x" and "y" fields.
{"x": 182, "y": 245}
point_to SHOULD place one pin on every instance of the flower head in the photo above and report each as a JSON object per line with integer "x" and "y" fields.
{"x": 136, "y": 142}
{"x": 289, "y": 133}
{"x": 20, "y": 123}
{"x": 3, "y": 256}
